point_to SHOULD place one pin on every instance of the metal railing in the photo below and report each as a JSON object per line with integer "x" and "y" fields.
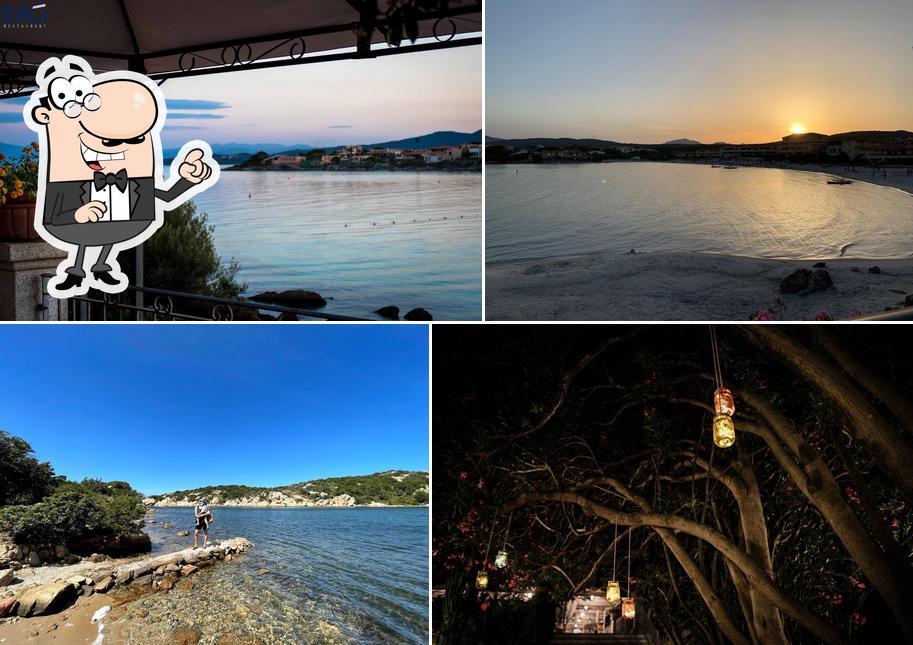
{"x": 172, "y": 305}
{"x": 895, "y": 314}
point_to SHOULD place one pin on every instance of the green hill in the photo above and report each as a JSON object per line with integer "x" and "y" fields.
{"x": 392, "y": 487}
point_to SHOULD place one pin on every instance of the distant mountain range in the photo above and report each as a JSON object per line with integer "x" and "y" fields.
{"x": 440, "y": 138}
{"x": 876, "y": 135}
{"x": 240, "y": 151}
{"x": 554, "y": 142}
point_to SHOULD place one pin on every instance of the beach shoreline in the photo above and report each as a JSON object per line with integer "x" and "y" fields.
{"x": 687, "y": 286}
{"x": 862, "y": 174}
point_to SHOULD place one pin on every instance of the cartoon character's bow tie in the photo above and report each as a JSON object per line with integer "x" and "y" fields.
{"x": 119, "y": 179}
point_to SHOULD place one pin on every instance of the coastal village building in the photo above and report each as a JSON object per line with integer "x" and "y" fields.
{"x": 442, "y": 153}
{"x": 810, "y": 143}
{"x": 286, "y": 160}
{"x": 872, "y": 151}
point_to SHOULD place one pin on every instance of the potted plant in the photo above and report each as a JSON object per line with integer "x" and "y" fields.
{"x": 18, "y": 186}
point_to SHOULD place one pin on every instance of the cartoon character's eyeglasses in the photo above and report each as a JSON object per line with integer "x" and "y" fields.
{"x": 72, "y": 95}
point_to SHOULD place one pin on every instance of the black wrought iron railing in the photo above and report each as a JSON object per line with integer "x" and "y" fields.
{"x": 149, "y": 304}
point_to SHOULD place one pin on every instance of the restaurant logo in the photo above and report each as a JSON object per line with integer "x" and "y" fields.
{"x": 25, "y": 16}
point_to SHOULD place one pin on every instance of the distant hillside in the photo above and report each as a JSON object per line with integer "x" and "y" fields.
{"x": 560, "y": 142}
{"x": 390, "y": 488}
{"x": 442, "y": 138}
{"x": 242, "y": 148}
{"x": 564, "y": 142}
{"x": 873, "y": 135}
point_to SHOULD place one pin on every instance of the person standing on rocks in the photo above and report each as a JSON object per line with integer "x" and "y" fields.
{"x": 203, "y": 519}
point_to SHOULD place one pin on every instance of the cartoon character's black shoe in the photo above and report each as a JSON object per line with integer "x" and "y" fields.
{"x": 105, "y": 277}
{"x": 71, "y": 282}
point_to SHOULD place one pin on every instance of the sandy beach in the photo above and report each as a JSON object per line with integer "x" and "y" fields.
{"x": 686, "y": 286}
{"x": 696, "y": 286}
{"x": 896, "y": 177}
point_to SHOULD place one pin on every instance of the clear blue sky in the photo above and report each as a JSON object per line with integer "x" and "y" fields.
{"x": 732, "y": 70}
{"x": 168, "y": 407}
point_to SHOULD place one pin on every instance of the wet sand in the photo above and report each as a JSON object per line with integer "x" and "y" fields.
{"x": 72, "y": 625}
{"x": 685, "y": 286}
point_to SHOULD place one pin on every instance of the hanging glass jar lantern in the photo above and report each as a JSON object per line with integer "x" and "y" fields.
{"x": 501, "y": 560}
{"x": 613, "y": 592}
{"x": 482, "y": 580}
{"x": 723, "y": 431}
{"x": 628, "y": 609}
{"x": 723, "y": 401}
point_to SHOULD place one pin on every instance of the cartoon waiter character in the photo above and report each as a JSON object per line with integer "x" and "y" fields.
{"x": 100, "y": 182}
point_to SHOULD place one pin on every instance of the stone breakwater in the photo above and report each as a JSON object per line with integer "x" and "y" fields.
{"x": 162, "y": 572}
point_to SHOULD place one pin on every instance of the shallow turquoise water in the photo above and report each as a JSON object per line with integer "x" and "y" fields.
{"x": 334, "y": 233}
{"x": 362, "y": 570}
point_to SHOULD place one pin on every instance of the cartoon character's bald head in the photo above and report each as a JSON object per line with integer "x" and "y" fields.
{"x": 96, "y": 126}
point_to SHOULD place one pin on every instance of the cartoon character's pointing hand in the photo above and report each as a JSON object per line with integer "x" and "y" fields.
{"x": 193, "y": 168}
{"x": 100, "y": 182}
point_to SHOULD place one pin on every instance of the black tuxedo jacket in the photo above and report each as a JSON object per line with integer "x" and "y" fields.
{"x": 63, "y": 198}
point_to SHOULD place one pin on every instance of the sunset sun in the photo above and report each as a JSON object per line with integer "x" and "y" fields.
{"x": 798, "y": 128}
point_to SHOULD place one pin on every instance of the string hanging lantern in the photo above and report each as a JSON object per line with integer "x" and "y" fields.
{"x": 723, "y": 401}
{"x": 482, "y": 575}
{"x": 501, "y": 557}
{"x": 628, "y": 607}
{"x": 613, "y": 589}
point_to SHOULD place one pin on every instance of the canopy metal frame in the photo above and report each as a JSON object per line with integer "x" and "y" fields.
{"x": 17, "y": 76}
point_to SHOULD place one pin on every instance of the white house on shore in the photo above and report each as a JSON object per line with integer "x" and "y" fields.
{"x": 286, "y": 160}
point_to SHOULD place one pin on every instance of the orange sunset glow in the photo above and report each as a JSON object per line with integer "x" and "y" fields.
{"x": 738, "y": 72}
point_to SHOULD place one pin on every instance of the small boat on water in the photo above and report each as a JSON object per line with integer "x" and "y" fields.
{"x": 716, "y": 166}
{"x": 839, "y": 181}
{"x": 730, "y": 167}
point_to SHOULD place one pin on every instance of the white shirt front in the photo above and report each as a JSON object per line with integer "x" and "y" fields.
{"x": 117, "y": 201}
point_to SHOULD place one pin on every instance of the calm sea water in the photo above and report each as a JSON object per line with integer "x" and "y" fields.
{"x": 546, "y": 211}
{"x": 334, "y": 233}
{"x": 361, "y": 571}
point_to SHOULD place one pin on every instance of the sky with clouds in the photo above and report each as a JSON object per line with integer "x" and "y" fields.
{"x": 354, "y": 101}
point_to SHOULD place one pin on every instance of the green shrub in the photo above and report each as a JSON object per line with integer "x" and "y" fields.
{"x": 182, "y": 256}
{"x": 54, "y": 521}
{"x": 73, "y": 511}
{"x": 23, "y": 479}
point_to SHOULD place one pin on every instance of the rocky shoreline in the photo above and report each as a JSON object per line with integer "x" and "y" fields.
{"x": 49, "y": 590}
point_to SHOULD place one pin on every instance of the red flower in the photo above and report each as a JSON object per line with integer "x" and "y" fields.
{"x": 484, "y": 606}
{"x": 464, "y": 475}
{"x": 858, "y": 619}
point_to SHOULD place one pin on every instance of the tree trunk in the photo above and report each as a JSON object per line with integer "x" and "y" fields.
{"x": 704, "y": 588}
{"x": 895, "y": 398}
{"x": 767, "y": 621}
{"x": 889, "y": 449}
{"x": 754, "y": 573}
{"x": 890, "y": 578}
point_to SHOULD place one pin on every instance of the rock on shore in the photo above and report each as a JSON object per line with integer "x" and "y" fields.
{"x": 149, "y": 574}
